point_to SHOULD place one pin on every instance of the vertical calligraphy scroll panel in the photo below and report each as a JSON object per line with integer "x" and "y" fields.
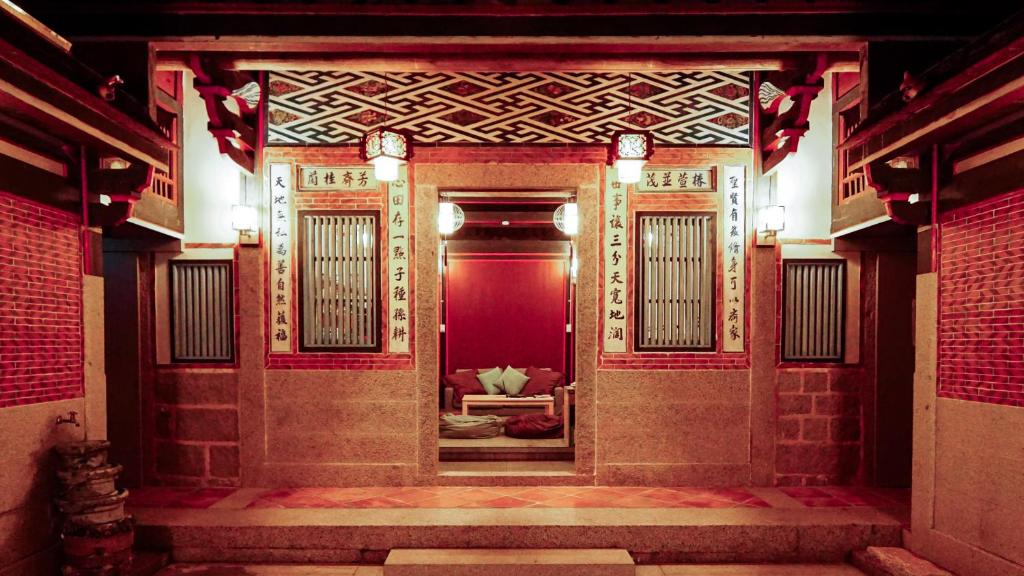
{"x": 616, "y": 277}
{"x": 280, "y": 244}
{"x": 734, "y": 242}
{"x": 399, "y": 267}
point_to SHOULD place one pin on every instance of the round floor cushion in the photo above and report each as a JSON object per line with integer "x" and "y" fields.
{"x": 455, "y": 426}
{"x": 533, "y": 426}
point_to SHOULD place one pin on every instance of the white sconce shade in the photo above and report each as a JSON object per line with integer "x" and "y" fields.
{"x": 771, "y": 219}
{"x": 567, "y": 218}
{"x": 449, "y": 217}
{"x": 243, "y": 218}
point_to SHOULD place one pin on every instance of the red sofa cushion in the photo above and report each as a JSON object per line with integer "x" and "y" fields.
{"x": 533, "y": 426}
{"x": 463, "y": 383}
{"x": 542, "y": 381}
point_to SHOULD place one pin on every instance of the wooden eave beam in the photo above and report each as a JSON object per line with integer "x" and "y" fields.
{"x": 471, "y": 60}
{"x": 78, "y": 19}
{"x": 959, "y": 71}
{"x": 30, "y": 90}
{"x": 981, "y": 101}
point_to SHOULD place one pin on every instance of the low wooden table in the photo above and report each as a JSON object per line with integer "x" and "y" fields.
{"x": 500, "y": 400}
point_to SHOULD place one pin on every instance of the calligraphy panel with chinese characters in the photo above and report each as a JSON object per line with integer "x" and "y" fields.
{"x": 398, "y": 263}
{"x": 677, "y": 180}
{"x": 280, "y": 257}
{"x": 616, "y": 218}
{"x": 735, "y": 241}
{"x": 337, "y": 178}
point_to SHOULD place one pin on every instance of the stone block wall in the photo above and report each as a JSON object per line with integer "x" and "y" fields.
{"x": 819, "y": 436}
{"x": 196, "y": 428}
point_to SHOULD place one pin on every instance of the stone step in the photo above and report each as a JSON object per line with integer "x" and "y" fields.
{"x": 893, "y": 561}
{"x": 509, "y": 562}
{"x": 652, "y": 536}
{"x": 147, "y": 563}
{"x": 749, "y": 570}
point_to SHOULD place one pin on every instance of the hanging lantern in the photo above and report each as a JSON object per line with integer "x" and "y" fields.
{"x": 567, "y": 218}
{"x": 387, "y": 149}
{"x": 628, "y": 152}
{"x": 449, "y": 217}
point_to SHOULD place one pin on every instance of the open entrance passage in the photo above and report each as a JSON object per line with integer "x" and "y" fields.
{"x": 507, "y": 362}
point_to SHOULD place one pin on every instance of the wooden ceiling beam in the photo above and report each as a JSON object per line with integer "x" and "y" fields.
{"x": 843, "y": 62}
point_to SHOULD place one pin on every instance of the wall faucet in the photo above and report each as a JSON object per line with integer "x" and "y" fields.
{"x": 72, "y": 418}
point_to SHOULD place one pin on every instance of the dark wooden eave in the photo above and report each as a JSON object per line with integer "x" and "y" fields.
{"x": 154, "y": 19}
{"x": 42, "y": 85}
{"x": 977, "y": 85}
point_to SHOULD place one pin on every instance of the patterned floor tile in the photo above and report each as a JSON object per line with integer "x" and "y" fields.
{"x": 166, "y": 497}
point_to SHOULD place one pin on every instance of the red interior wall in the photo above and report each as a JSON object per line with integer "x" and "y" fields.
{"x": 506, "y": 311}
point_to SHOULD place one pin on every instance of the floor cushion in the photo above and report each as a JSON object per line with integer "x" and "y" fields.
{"x": 456, "y": 426}
{"x": 542, "y": 381}
{"x": 533, "y": 426}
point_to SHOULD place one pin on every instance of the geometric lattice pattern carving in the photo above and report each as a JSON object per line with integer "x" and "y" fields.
{"x": 679, "y": 108}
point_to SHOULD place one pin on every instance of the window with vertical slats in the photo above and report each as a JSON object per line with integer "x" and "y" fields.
{"x": 675, "y": 291}
{"x": 813, "y": 310}
{"x": 340, "y": 281}
{"x": 202, "y": 311}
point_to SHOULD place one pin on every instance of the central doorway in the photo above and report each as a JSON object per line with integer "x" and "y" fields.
{"x": 507, "y": 305}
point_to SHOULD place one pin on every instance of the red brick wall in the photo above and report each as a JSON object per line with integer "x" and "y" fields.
{"x": 981, "y": 302}
{"x": 361, "y": 200}
{"x": 595, "y": 155}
{"x": 40, "y": 303}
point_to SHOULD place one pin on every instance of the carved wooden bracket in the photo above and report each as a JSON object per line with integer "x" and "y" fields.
{"x": 781, "y": 132}
{"x": 124, "y": 187}
{"x": 895, "y": 186}
{"x": 235, "y": 133}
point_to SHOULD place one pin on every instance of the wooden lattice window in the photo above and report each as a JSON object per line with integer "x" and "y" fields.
{"x": 202, "y": 311}
{"x": 675, "y": 290}
{"x": 813, "y": 310}
{"x": 340, "y": 306}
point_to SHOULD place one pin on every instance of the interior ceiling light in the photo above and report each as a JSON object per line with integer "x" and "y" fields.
{"x": 567, "y": 218}
{"x": 385, "y": 147}
{"x": 630, "y": 149}
{"x": 450, "y": 217}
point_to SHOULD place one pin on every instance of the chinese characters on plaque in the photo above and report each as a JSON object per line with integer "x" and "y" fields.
{"x": 677, "y": 180}
{"x": 280, "y": 258}
{"x": 398, "y": 263}
{"x": 616, "y": 232}
{"x": 735, "y": 241}
{"x": 337, "y": 178}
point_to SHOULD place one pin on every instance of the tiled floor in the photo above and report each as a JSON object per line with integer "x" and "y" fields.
{"x": 666, "y": 570}
{"x": 521, "y": 497}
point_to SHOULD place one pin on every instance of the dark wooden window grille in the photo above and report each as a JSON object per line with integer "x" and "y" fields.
{"x": 675, "y": 291}
{"x": 813, "y": 310}
{"x": 339, "y": 252}
{"x": 202, "y": 311}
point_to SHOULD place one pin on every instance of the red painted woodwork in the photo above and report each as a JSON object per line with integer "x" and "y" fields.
{"x": 503, "y": 310}
{"x": 981, "y": 316}
{"x": 40, "y": 303}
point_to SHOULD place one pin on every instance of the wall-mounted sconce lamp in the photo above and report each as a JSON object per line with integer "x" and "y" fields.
{"x": 567, "y": 218}
{"x": 244, "y": 221}
{"x": 770, "y": 221}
